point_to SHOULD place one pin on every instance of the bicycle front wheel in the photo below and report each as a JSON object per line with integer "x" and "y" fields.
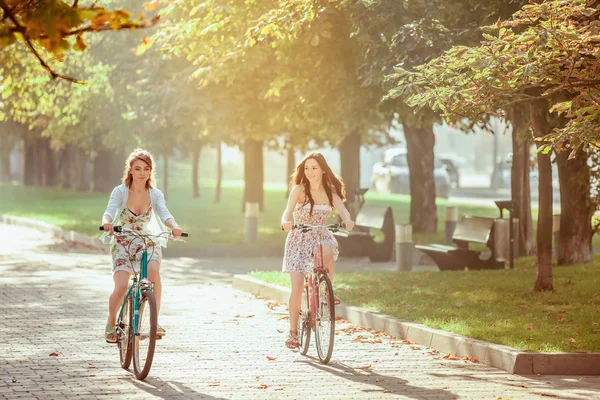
{"x": 325, "y": 319}
{"x": 304, "y": 323}
{"x": 124, "y": 333}
{"x": 145, "y": 340}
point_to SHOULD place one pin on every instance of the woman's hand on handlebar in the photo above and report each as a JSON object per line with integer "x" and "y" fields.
{"x": 176, "y": 232}
{"x": 348, "y": 224}
{"x": 108, "y": 227}
{"x": 286, "y": 225}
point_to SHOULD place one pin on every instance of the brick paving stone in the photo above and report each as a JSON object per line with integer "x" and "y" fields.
{"x": 53, "y": 299}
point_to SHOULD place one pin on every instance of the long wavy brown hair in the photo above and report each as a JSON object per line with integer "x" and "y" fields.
{"x": 145, "y": 156}
{"x": 331, "y": 182}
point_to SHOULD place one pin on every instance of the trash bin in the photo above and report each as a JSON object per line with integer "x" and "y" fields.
{"x": 502, "y": 238}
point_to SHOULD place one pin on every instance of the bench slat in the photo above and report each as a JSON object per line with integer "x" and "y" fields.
{"x": 473, "y": 229}
{"x": 371, "y": 216}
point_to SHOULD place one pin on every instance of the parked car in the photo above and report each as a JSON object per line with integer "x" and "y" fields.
{"x": 453, "y": 164}
{"x": 391, "y": 175}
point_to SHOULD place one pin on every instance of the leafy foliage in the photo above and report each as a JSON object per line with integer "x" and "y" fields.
{"x": 547, "y": 50}
{"x": 57, "y": 27}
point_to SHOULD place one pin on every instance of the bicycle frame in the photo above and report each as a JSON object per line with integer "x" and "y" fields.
{"x": 313, "y": 279}
{"x": 135, "y": 291}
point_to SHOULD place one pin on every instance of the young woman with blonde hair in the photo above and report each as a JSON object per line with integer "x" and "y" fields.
{"x": 135, "y": 204}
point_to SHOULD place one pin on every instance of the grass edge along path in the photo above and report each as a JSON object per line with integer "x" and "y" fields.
{"x": 494, "y": 306}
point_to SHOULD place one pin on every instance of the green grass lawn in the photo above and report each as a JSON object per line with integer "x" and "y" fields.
{"x": 495, "y": 306}
{"x": 209, "y": 224}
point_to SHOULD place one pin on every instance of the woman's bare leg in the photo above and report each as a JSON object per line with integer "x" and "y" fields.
{"x": 121, "y": 280}
{"x": 295, "y": 298}
{"x": 154, "y": 276}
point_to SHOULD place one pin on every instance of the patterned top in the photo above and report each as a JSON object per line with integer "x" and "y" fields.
{"x": 300, "y": 246}
{"x": 127, "y": 251}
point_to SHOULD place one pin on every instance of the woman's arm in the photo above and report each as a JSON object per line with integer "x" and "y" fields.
{"x": 171, "y": 223}
{"x": 343, "y": 211}
{"x": 111, "y": 209}
{"x": 164, "y": 214}
{"x": 295, "y": 197}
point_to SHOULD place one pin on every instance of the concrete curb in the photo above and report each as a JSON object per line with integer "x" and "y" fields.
{"x": 506, "y": 358}
{"x": 55, "y": 231}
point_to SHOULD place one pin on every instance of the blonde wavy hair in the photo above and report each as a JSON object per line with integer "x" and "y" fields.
{"x": 145, "y": 156}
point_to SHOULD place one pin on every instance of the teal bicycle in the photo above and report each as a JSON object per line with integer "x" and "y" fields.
{"x": 137, "y": 320}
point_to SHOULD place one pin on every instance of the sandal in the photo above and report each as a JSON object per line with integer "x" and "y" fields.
{"x": 160, "y": 331}
{"x": 292, "y": 340}
{"x": 110, "y": 334}
{"x": 336, "y": 300}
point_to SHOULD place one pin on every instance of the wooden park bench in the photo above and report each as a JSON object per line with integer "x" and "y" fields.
{"x": 360, "y": 242}
{"x": 469, "y": 229}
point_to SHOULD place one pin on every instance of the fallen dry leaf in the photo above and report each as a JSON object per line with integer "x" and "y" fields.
{"x": 213, "y": 384}
{"x": 53, "y": 354}
{"x": 263, "y": 386}
{"x": 365, "y": 367}
{"x": 279, "y": 331}
{"x": 271, "y": 358}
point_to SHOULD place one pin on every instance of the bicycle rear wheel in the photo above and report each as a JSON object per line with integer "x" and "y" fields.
{"x": 124, "y": 333}
{"x": 304, "y": 323}
{"x": 145, "y": 341}
{"x": 325, "y": 319}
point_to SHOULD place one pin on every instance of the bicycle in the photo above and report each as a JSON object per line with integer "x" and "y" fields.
{"x": 136, "y": 334}
{"x": 317, "y": 310}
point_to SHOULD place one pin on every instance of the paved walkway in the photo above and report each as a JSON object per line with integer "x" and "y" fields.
{"x": 221, "y": 344}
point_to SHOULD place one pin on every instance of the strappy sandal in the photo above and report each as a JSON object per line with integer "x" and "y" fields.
{"x": 110, "y": 334}
{"x": 292, "y": 340}
{"x": 160, "y": 331}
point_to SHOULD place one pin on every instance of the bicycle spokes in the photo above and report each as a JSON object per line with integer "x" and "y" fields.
{"x": 145, "y": 337}
{"x": 304, "y": 323}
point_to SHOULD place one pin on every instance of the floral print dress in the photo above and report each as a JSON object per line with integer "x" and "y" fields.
{"x": 300, "y": 247}
{"x": 127, "y": 251}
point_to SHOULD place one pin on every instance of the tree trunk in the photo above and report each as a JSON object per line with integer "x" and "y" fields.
{"x": 82, "y": 178}
{"x": 576, "y": 210}
{"x": 108, "y": 168}
{"x": 195, "y": 163}
{"x": 66, "y": 166}
{"x": 543, "y": 244}
{"x": 520, "y": 187}
{"x": 48, "y": 166}
{"x": 253, "y": 173}
{"x": 419, "y": 146}
{"x": 350, "y": 170}
{"x": 5, "y": 151}
{"x": 219, "y": 174}
{"x": 291, "y": 166}
{"x": 32, "y": 159}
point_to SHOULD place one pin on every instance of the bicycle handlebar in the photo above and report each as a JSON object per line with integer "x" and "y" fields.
{"x": 119, "y": 229}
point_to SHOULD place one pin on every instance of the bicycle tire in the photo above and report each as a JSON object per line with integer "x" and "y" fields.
{"x": 145, "y": 336}
{"x": 325, "y": 320}
{"x": 304, "y": 323}
{"x": 124, "y": 339}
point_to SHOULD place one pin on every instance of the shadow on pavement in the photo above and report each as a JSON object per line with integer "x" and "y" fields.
{"x": 387, "y": 384}
{"x": 169, "y": 389}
